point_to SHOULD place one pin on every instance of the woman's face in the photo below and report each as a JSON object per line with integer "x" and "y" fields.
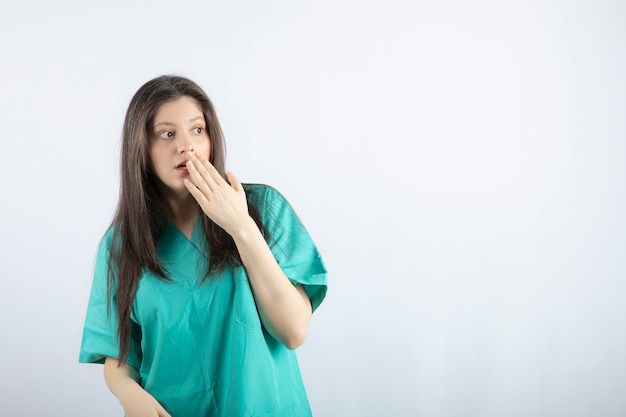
{"x": 178, "y": 129}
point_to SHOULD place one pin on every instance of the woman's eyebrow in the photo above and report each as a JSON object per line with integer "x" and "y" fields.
{"x": 193, "y": 119}
{"x": 164, "y": 124}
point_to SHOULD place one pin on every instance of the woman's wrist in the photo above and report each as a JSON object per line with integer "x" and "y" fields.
{"x": 245, "y": 230}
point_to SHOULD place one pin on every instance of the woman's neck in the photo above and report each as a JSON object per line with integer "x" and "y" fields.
{"x": 182, "y": 213}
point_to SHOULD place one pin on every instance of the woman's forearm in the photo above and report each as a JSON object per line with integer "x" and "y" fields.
{"x": 285, "y": 310}
{"x": 120, "y": 378}
{"x": 123, "y": 381}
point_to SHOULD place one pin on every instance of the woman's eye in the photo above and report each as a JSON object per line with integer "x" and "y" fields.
{"x": 198, "y": 130}
{"x": 166, "y": 134}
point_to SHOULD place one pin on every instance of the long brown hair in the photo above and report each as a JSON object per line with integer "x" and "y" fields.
{"x": 139, "y": 218}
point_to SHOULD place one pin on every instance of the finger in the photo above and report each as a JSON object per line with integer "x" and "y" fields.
{"x": 200, "y": 177}
{"x": 210, "y": 169}
{"x": 196, "y": 193}
{"x": 162, "y": 412}
{"x": 234, "y": 182}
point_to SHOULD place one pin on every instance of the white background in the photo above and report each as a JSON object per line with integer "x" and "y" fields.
{"x": 460, "y": 165}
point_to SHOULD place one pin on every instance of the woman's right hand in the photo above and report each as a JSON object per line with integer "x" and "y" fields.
{"x": 137, "y": 402}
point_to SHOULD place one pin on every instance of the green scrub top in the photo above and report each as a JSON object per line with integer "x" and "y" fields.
{"x": 201, "y": 349}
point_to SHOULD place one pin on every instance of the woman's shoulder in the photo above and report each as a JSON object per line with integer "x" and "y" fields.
{"x": 110, "y": 235}
{"x": 110, "y": 231}
{"x": 255, "y": 188}
{"x": 273, "y": 208}
{"x": 261, "y": 194}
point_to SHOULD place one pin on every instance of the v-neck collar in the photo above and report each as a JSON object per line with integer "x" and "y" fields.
{"x": 173, "y": 238}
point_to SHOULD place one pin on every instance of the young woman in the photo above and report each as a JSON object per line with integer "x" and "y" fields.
{"x": 203, "y": 286}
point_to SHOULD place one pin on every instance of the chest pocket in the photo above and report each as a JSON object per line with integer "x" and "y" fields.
{"x": 246, "y": 313}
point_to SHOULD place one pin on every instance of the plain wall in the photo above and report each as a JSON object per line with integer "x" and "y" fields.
{"x": 460, "y": 165}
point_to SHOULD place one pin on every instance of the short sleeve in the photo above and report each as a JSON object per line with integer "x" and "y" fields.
{"x": 290, "y": 242}
{"x": 100, "y": 330}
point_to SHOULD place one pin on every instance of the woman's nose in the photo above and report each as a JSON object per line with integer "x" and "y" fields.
{"x": 185, "y": 145}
